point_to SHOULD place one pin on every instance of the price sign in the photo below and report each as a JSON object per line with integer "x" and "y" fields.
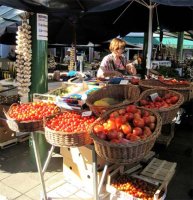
{"x": 124, "y": 82}
{"x": 42, "y": 26}
{"x": 86, "y": 113}
{"x": 154, "y": 96}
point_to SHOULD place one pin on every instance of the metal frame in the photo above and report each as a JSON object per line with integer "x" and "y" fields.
{"x": 96, "y": 187}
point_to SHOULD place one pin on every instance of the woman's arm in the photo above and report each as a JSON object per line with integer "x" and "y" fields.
{"x": 102, "y": 74}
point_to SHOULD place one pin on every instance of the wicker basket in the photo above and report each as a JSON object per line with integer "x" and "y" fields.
{"x": 150, "y": 84}
{"x": 186, "y": 90}
{"x": 24, "y": 126}
{"x": 125, "y": 93}
{"x": 124, "y": 153}
{"x": 66, "y": 139}
{"x": 167, "y": 114}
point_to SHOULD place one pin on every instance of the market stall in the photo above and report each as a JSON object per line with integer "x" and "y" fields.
{"x": 114, "y": 140}
{"x": 122, "y": 132}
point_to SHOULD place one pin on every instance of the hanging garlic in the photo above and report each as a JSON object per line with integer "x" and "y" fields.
{"x": 23, "y": 57}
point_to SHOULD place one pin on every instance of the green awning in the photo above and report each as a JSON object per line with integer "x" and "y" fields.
{"x": 168, "y": 41}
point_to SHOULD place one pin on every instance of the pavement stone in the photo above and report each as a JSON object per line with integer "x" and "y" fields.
{"x": 4, "y": 174}
{"x": 23, "y": 197}
{"x": 26, "y": 181}
{"x": 8, "y": 192}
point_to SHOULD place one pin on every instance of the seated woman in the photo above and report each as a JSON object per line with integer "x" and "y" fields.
{"x": 115, "y": 63}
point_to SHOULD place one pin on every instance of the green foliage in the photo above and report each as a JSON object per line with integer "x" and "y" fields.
{"x": 168, "y": 71}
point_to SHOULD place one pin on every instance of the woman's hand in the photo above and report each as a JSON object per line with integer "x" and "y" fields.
{"x": 113, "y": 74}
{"x": 131, "y": 69}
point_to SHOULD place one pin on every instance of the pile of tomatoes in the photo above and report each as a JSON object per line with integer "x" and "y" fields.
{"x": 70, "y": 121}
{"x": 135, "y": 187}
{"x": 126, "y": 124}
{"x": 164, "y": 101}
{"x": 175, "y": 82}
{"x": 32, "y": 111}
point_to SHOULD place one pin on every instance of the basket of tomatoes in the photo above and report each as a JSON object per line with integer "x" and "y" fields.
{"x": 28, "y": 117}
{"x": 68, "y": 129}
{"x": 126, "y": 134}
{"x": 112, "y": 96}
{"x": 181, "y": 86}
{"x": 165, "y": 102}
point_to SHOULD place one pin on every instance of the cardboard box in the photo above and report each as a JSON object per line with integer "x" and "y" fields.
{"x": 71, "y": 170}
{"x": 80, "y": 174}
{"x": 82, "y": 156}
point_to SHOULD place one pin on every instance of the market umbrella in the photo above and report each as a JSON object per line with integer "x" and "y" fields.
{"x": 8, "y": 35}
{"x": 98, "y": 20}
{"x": 168, "y": 16}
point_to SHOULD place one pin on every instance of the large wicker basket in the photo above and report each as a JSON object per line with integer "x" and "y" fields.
{"x": 167, "y": 114}
{"x": 150, "y": 84}
{"x": 186, "y": 90}
{"x": 124, "y": 93}
{"x": 128, "y": 153}
{"x": 66, "y": 139}
{"x": 24, "y": 126}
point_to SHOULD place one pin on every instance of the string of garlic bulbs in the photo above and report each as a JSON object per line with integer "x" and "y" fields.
{"x": 23, "y": 57}
{"x": 72, "y": 59}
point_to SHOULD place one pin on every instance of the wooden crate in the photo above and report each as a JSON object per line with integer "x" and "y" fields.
{"x": 44, "y": 97}
{"x": 8, "y": 143}
{"x": 116, "y": 194}
{"x": 160, "y": 170}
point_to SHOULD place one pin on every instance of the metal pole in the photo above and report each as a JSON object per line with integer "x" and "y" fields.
{"x": 39, "y": 74}
{"x": 95, "y": 181}
{"x": 149, "y": 49}
{"x": 102, "y": 179}
{"x": 48, "y": 159}
{"x": 38, "y": 163}
{"x": 179, "y": 51}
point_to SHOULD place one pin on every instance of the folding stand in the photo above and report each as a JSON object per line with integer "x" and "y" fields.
{"x": 41, "y": 171}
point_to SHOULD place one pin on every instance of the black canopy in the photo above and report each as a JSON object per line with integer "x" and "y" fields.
{"x": 100, "y": 20}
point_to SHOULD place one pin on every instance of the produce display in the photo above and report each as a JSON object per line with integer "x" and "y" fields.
{"x": 126, "y": 124}
{"x": 32, "y": 111}
{"x": 165, "y": 101}
{"x": 70, "y": 121}
{"x": 64, "y": 91}
{"x": 135, "y": 187}
{"x": 107, "y": 101}
{"x": 174, "y": 82}
{"x": 134, "y": 81}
